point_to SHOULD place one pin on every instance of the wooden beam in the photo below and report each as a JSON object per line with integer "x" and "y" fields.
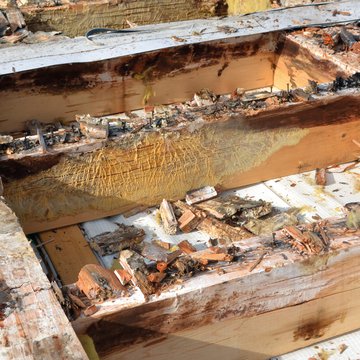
{"x": 69, "y": 251}
{"x": 32, "y": 322}
{"x": 242, "y": 314}
{"x": 76, "y": 18}
{"x": 130, "y": 82}
{"x": 230, "y": 151}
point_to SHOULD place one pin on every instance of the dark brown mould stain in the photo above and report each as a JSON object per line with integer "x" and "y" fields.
{"x": 19, "y": 168}
{"x": 316, "y": 328}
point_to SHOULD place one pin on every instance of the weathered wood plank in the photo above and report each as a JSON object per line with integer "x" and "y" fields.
{"x": 32, "y": 323}
{"x": 69, "y": 251}
{"x": 259, "y": 337}
{"x": 230, "y": 152}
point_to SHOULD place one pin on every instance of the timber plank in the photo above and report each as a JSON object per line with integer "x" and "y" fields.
{"x": 69, "y": 251}
{"x": 117, "y": 178}
{"x": 259, "y": 337}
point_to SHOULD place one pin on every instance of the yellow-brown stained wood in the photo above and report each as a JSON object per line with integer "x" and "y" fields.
{"x": 75, "y": 19}
{"x": 136, "y": 171}
{"x": 68, "y": 250}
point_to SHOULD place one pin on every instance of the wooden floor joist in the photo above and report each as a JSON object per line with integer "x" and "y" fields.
{"x": 32, "y": 322}
{"x": 142, "y": 169}
{"x": 242, "y": 312}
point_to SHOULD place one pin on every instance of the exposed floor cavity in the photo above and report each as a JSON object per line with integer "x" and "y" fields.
{"x": 295, "y": 191}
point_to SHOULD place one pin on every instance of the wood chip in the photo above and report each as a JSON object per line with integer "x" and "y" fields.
{"x": 186, "y": 247}
{"x": 211, "y": 255}
{"x": 305, "y": 241}
{"x": 77, "y": 301}
{"x": 154, "y": 252}
{"x": 123, "y": 276}
{"x": 15, "y": 19}
{"x": 134, "y": 264}
{"x": 98, "y": 283}
{"x": 257, "y": 262}
{"x": 196, "y": 196}
{"x": 320, "y": 177}
{"x": 218, "y": 208}
{"x": 224, "y": 233}
{"x": 3, "y": 24}
{"x": 188, "y": 221}
{"x": 161, "y": 266}
{"x": 168, "y": 217}
{"x": 163, "y": 244}
{"x": 156, "y": 277}
{"x": 91, "y": 310}
{"x": 94, "y": 131}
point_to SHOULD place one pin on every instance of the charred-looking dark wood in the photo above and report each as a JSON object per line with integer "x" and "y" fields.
{"x": 19, "y": 168}
{"x": 122, "y": 238}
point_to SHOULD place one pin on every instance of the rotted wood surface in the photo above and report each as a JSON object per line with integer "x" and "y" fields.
{"x": 32, "y": 323}
{"x": 246, "y": 312}
{"x": 142, "y": 169}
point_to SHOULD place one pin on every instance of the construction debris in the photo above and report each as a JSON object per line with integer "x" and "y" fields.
{"x": 353, "y": 215}
{"x": 186, "y": 247}
{"x": 188, "y": 221}
{"x": 93, "y": 128}
{"x": 307, "y": 241}
{"x": 152, "y": 266}
{"x": 212, "y": 254}
{"x": 135, "y": 265}
{"x": 199, "y": 195}
{"x": 98, "y": 283}
{"x": 271, "y": 224}
{"x": 168, "y": 218}
{"x": 320, "y": 177}
{"x": 122, "y": 238}
{"x": 123, "y": 276}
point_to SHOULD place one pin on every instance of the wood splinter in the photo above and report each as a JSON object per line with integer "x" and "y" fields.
{"x": 196, "y": 196}
{"x": 168, "y": 217}
{"x": 320, "y": 176}
{"x": 135, "y": 265}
